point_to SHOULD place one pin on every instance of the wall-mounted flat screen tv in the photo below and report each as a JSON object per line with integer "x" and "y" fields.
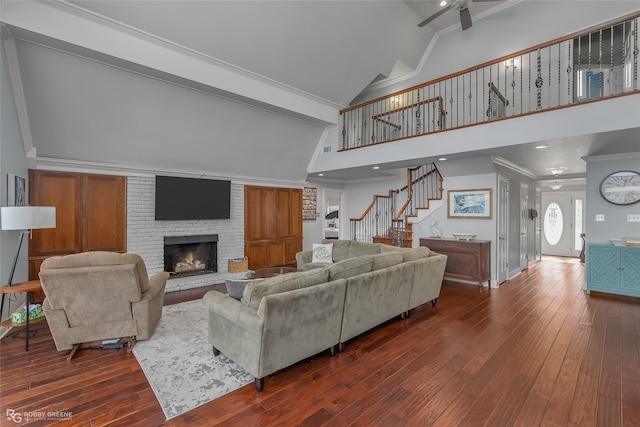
{"x": 192, "y": 198}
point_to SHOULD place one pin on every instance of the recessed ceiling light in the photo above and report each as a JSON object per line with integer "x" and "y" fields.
{"x": 376, "y": 167}
{"x": 443, "y": 3}
{"x": 538, "y": 147}
{"x": 442, "y": 159}
{"x": 320, "y": 174}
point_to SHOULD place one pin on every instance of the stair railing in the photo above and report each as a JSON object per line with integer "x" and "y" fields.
{"x": 384, "y": 219}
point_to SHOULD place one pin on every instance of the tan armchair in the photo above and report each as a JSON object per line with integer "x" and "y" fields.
{"x": 95, "y": 296}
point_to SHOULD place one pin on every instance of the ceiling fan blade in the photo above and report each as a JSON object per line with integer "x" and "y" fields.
{"x": 434, "y": 16}
{"x": 465, "y": 18}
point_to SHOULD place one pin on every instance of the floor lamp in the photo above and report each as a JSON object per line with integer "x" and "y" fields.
{"x": 25, "y": 218}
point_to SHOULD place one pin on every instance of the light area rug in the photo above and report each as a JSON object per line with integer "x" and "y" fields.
{"x": 179, "y": 362}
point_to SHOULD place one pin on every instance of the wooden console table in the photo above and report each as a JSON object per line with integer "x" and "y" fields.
{"x": 27, "y": 288}
{"x": 467, "y": 260}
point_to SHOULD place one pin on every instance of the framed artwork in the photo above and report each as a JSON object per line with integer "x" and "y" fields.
{"x": 16, "y": 190}
{"x": 309, "y": 203}
{"x": 469, "y": 203}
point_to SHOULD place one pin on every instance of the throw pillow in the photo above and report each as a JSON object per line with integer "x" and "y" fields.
{"x": 322, "y": 253}
{"x": 235, "y": 288}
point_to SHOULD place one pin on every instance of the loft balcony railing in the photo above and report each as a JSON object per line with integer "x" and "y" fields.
{"x": 591, "y": 65}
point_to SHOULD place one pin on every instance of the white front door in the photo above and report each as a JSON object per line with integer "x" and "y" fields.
{"x": 558, "y": 225}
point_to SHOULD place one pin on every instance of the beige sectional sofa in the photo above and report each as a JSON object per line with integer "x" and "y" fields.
{"x": 284, "y": 319}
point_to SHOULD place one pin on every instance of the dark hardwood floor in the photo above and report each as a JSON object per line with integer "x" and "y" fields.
{"x": 535, "y": 352}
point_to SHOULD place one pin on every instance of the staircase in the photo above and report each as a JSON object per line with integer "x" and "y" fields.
{"x": 389, "y": 218}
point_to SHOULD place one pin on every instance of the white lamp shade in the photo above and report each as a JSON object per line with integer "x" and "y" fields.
{"x": 28, "y": 217}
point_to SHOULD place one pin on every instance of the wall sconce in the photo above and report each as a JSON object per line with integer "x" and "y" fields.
{"x": 394, "y": 100}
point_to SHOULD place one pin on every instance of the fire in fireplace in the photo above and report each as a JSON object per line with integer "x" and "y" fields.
{"x": 191, "y": 255}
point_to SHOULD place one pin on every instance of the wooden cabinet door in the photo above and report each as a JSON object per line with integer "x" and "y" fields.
{"x": 283, "y": 208}
{"x": 295, "y": 215}
{"x": 293, "y": 247}
{"x": 277, "y": 251}
{"x": 105, "y": 221}
{"x": 269, "y": 213}
{"x": 252, "y": 214}
{"x": 258, "y": 254}
{"x": 64, "y": 191}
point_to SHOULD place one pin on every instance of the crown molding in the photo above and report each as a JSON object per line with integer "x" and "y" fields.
{"x": 80, "y": 166}
{"x": 514, "y": 167}
{"x": 607, "y": 157}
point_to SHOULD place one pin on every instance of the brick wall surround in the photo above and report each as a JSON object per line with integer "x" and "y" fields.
{"x": 145, "y": 234}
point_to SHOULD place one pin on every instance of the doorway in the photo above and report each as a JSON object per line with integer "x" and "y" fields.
{"x": 331, "y": 221}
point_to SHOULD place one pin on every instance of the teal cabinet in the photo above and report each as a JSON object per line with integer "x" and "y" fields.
{"x": 613, "y": 269}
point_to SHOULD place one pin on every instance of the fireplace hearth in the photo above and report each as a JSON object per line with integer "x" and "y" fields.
{"x": 191, "y": 255}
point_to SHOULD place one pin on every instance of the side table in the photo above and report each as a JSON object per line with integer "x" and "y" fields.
{"x": 27, "y": 287}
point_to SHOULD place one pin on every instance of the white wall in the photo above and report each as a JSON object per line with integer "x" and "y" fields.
{"x": 615, "y": 224}
{"x": 12, "y": 160}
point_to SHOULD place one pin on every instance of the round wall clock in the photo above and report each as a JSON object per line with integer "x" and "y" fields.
{"x": 621, "y": 188}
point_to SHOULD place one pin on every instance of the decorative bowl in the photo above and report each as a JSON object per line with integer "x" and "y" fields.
{"x": 463, "y": 236}
{"x": 616, "y": 242}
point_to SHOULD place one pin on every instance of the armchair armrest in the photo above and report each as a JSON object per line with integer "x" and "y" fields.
{"x": 157, "y": 283}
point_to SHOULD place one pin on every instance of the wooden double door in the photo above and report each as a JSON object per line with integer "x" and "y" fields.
{"x": 273, "y": 226}
{"x": 91, "y": 214}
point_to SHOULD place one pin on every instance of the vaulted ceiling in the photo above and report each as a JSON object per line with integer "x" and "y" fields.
{"x": 237, "y": 89}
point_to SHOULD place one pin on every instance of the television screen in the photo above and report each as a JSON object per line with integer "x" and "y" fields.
{"x": 192, "y": 198}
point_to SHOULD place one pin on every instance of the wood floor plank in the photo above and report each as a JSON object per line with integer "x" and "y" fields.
{"x": 537, "y": 351}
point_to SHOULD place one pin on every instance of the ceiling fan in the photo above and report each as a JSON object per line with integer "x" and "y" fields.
{"x": 461, "y": 5}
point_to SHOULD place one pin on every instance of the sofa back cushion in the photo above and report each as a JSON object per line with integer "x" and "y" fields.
{"x": 350, "y": 267}
{"x": 340, "y": 249}
{"x": 385, "y": 260}
{"x": 416, "y": 253}
{"x": 363, "y": 248}
{"x": 257, "y": 289}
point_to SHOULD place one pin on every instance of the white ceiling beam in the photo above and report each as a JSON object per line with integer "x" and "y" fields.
{"x": 77, "y": 27}
{"x": 18, "y": 94}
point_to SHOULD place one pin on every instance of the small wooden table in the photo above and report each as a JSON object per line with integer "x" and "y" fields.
{"x": 27, "y": 287}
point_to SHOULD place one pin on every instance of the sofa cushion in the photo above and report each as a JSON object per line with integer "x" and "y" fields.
{"x": 257, "y": 289}
{"x": 363, "y": 248}
{"x": 322, "y": 253}
{"x": 340, "y": 249}
{"x": 385, "y": 260}
{"x": 388, "y": 248}
{"x": 416, "y": 253}
{"x": 350, "y": 267}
